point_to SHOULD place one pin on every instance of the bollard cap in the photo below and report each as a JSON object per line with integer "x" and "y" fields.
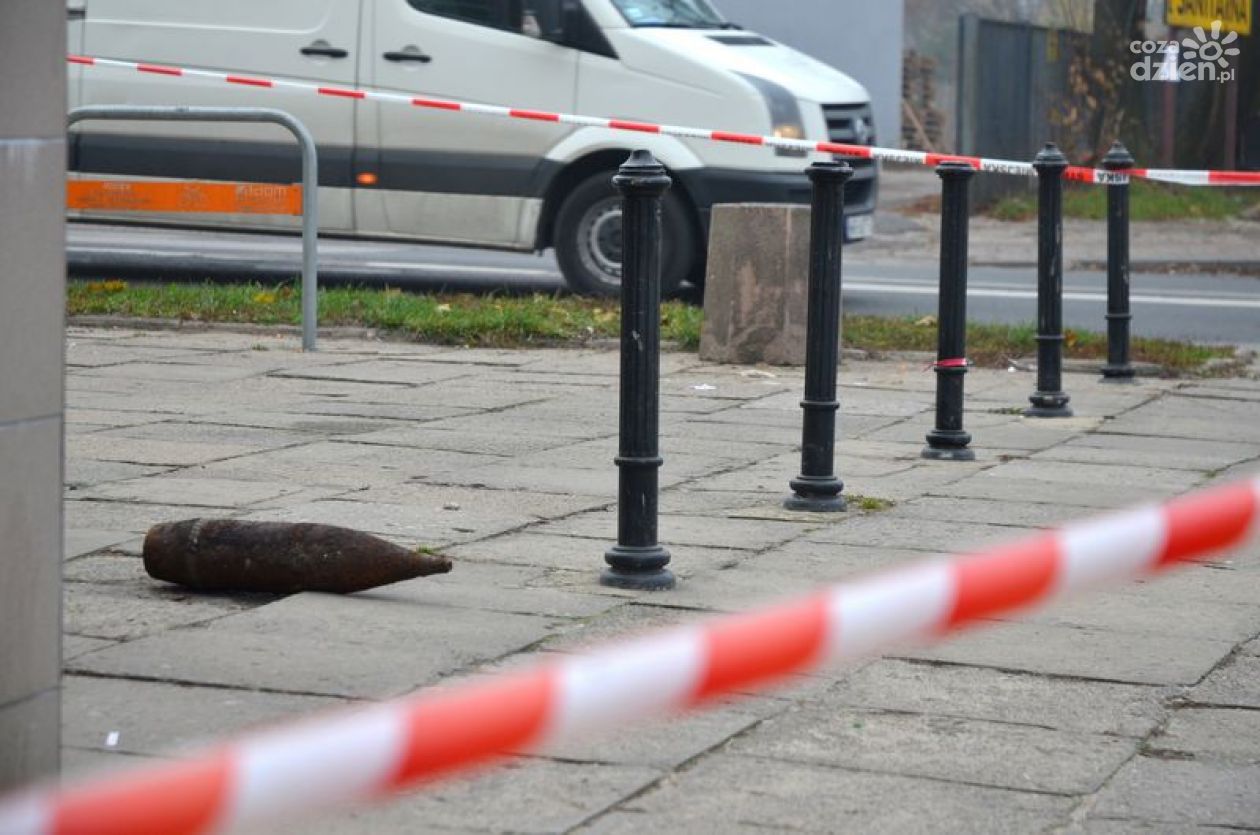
{"x": 830, "y": 171}
{"x": 641, "y": 174}
{"x": 1118, "y": 158}
{"x": 955, "y": 169}
{"x": 1050, "y": 158}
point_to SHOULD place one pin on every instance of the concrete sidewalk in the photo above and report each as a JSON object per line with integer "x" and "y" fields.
{"x": 1138, "y": 710}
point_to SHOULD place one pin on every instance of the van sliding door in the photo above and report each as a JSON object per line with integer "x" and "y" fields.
{"x": 446, "y": 176}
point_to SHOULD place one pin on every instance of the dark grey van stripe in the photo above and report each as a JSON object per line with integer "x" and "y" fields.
{"x": 205, "y": 159}
{"x": 264, "y": 162}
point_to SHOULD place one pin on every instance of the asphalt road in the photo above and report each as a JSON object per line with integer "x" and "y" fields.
{"x": 1203, "y": 307}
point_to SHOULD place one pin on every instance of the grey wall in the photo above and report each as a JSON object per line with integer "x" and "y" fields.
{"x": 32, "y": 279}
{"x": 857, "y": 37}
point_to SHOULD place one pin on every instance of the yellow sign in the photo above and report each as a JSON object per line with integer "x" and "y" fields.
{"x": 1234, "y": 15}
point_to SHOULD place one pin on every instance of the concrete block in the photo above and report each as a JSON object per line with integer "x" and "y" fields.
{"x": 32, "y": 238}
{"x": 30, "y": 558}
{"x": 755, "y": 294}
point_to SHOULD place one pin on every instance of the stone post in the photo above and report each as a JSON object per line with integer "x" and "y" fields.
{"x": 32, "y": 314}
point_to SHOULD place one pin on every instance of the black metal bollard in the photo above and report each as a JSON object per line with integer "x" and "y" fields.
{"x": 1049, "y": 401}
{"x": 947, "y": 441}
{"x": 817, "y": 488}
{"x": 1119, "y": 316}
{"x": 638, "y": 561}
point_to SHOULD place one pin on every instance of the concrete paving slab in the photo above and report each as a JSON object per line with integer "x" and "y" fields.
{"x": 1145, "y": 451}
{"x": 1210, "y": 734}
{"x": 207, "y": 432}
{"x": 1087, "y": 707}
{"x": 164, "y": 719}
{"x": 325, "y": 645}
{"x": 1083, "y": 653}
{"x": 1183, "y": 793}
{"x": 127, "y": 517}
{"x": 1118, "y": 475}
{"x": 738, "y": 534}
{"x": 663, "y": 744}
{"x": 72, "y": 646}
{"x": 494, "y": 588}
{"x": 85, "y": 472}
{"x": 893, "y": 530}
{"x": 776, "y": 795}
{"x": 941, "y": 747}
{"x": 582, "y": 556}
{"x": 1085, "y": 497}
{"x": 988, "y": 511}
{"x": 172, "y": 371}
{"x": 192, "y": 492}
{"x": 100, "y": 447}
{"x": 1236, "y": 683}
{"x": 143, "y": 606}
{"x": 78, "y": 542}
{"x": 527, "y": 796}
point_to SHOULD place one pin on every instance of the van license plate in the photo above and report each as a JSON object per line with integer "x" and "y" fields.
{"x": 859, "y": 227}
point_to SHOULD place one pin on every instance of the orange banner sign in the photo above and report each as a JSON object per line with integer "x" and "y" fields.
{"x": 207, "y": 198}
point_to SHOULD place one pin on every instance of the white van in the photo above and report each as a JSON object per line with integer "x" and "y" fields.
{"x": 397, "y": 172}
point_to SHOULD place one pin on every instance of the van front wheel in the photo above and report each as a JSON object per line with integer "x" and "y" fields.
{"x": 588, "y": 239}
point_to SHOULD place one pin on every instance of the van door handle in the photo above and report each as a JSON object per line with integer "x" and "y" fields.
{"x": 417, "y": 56}
{"x": 323, "y": 49}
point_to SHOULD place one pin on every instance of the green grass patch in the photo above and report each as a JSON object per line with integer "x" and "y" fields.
{"x": 993, "y": 345}
{"x": 452, "y": 319}
{"x": 540, "y": 320}
{"x": 1147, "y": 201}
{"x": 869, "y": 503}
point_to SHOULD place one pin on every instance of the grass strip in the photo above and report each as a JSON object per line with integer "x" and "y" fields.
{"x": 540, "y": 320}
{"x": 1147, "y": 201}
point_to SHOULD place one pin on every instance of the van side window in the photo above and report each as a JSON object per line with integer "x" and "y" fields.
{"x": 498, "y": 14}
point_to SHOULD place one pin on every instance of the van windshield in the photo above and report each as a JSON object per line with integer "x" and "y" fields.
{"x": 681, "y": 14}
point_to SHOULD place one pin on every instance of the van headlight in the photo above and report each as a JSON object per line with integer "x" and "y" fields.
{"x": 785, "y": 113}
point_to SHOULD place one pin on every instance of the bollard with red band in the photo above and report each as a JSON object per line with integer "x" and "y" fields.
{"x": 364, "y": 755}
{"x": 948, "y": 441}
{"x": 996, "y": 166}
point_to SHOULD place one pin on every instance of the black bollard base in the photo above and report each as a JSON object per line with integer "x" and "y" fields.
{"x": 1049, "y": 405}
{"x": 638, "y": 569}
{"x": 816, "y": 494}
{"x": 948, "y": 445}
{"x": 1119, "y": 374}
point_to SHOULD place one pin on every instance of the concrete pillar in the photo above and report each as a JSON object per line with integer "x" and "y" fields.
{"x": 756, "y": 287}
{"x": 32, "y": 311}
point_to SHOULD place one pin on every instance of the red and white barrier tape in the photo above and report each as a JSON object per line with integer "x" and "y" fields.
{"x": 998, "y": 166}
{"x": 366, "y": 754}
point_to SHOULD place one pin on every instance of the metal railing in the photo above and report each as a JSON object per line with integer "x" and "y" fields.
{"x": 310, "y": 177}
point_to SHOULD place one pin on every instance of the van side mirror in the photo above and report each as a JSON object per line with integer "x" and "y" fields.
{"x": 548, "y": 20}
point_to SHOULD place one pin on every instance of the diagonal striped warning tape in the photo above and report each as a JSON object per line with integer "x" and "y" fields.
{"x": 364, "y": 755}
{"x": 892, "y": 155}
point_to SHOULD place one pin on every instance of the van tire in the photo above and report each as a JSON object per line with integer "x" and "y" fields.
{"x": 588, "y": 239}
